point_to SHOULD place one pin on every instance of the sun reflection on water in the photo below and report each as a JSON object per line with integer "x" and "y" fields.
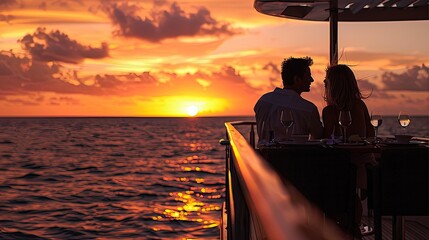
{"x": 190, "y": 210}
{"x": 190, "y": 204}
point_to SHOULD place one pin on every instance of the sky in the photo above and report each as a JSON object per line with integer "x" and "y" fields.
{"x": 166, "y": 58}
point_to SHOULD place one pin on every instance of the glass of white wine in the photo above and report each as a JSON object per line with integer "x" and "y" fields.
{"x": 376, "y": 121}
{"x": 286, "y": 118}
{"x": 404, "y": 120}
{"x": 345, "y": 120}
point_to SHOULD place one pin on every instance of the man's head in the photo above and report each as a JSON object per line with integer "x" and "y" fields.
{"x": 296, "y": 74}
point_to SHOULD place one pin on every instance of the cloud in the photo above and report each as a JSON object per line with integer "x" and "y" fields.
{"x": 29, "y": 100}
{"x": 20, "y": 75}
{"x": 164, "y": 24}
{"x": 369, "y": 89}
{"x": 56, "y": 101}
{"x": 20, "y": 101}
{"x": 123, "y": 82}
{"x": 390, "y": 59}
{"x": 275, "y": 75}
{"x": 6, "y": 18}
{"x": 6, "y": 3}
{"x": 230, "y": 74}
{"x": 415, "y": 78}
{"x": 160, "y": 2}
{"x": 57, "y": 46}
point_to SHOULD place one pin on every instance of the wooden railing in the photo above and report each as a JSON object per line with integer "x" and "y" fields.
{"x": 259, "y": 205}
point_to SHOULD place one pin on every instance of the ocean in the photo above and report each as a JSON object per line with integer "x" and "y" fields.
{"x": 119, "y": 178}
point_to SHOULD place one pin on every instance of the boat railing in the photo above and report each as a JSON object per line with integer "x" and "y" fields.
{"x": 259, "y": 204}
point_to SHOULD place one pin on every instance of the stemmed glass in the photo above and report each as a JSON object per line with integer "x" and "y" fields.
{"x": 404, "y": 120}
{"x": 376, "y": 121}
{"x": 345, "y": 120}
{"x": 286, "y": 118}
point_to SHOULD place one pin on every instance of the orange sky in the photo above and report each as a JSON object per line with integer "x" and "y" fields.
{"x": 163, "y": 58}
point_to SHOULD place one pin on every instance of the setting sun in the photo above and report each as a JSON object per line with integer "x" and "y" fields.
{"x": 210, "y": 63}
{"x": 192, "y": 111}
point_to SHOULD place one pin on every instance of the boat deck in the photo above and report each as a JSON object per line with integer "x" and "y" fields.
{"x": 413, "y": 229}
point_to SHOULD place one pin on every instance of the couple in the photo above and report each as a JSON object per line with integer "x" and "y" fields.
{"x": 341, "y": 93}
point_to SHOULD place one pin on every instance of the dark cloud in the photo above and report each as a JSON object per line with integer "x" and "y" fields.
{"x": 228, "y": 73}
{"x": 275, "y": 78}
{"x": 60, "y": 4}
{"x": 407, "y": 99}
{"x": 369, "y": 89}
{"x": 38, "y": 99}
{"x": 7, "y": 3}
{"x": 272, "y": 68}
{"x": 415, "y": 78}
{"x": 56, "y": 101}
{"x": 164, "y": 24}
{"x": 160, "y": 2}
{"x": 21, "y": 101}
{"x": 123, "y": 81}
{"x": 57, "y": 46}
{"x": 29, "y": 100}
{"x": 395, "y": 59}
{"x": 23, "y": 75}
{"x": 6, "y": 18}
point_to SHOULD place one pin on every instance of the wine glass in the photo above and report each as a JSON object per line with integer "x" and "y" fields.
{"x": 286, "y": 118}
{"x": 376, "y": 121}
{"x": 404, "y": 120}
{"x": 345, "y": 120}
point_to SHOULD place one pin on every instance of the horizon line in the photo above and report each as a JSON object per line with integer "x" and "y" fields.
{"x": 107, "y": 116}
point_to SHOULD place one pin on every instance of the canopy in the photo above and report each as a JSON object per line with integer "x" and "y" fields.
{"x": 345, "y": 10}
{"x": 348, "y": 10}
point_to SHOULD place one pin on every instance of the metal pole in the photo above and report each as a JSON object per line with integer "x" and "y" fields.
{"x": 333, "y": 37}
{"x": 252, "y": 136}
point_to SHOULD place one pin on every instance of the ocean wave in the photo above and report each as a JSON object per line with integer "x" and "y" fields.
{"x": 18, "y": 235}
{"x": 112, "y": 178}
{"x": 29, "y": 176}
{"x": 67, "y": 233}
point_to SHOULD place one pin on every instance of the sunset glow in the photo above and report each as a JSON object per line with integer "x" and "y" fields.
{"x": 189, "y": 58}
{"x": 192, "y": 111}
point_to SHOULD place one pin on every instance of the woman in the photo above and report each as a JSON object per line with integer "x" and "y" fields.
{"x": 342, "y": 94}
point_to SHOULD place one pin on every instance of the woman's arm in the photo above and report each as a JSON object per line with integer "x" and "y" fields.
{"x": 370, "y": 132}
{"x": 361, "y": 124}
{"x": 329, "y": 121}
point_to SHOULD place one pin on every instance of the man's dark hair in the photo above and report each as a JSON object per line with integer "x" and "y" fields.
{"x": 292, "y": 67}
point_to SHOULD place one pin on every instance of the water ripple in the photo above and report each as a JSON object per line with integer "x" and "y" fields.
{"x": 111, "y": 178}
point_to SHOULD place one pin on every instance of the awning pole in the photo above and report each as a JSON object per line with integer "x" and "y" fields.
{"x": 333, "y": 23}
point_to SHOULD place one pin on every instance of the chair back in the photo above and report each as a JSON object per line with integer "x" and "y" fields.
{"x": 404, "y": 182}
{"x": 325, "y": 176}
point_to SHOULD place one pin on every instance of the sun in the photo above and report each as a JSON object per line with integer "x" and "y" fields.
{"x": 192, "y": 110}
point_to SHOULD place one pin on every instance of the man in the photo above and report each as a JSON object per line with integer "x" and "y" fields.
{"x": 296, "y": 76}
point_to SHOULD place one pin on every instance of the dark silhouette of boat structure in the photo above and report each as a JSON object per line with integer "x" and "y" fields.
{"x": 269, "y": 198}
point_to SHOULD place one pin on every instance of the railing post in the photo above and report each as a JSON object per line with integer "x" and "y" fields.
{"x": 225, "y": 142}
